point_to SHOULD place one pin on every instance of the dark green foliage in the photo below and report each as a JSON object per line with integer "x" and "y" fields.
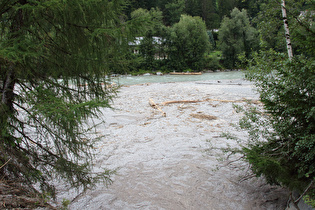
{"x": 212, "y": 61}
{"x": 54, "y": 56}
{"x": 145, "y": 4}
{"x": 172, "y": 12}
{"x": 193, "y": 7}
{"x": 148, "y": 51}
{"x": 151, "y": 38}
{"x": 225, "y": 7}
{"x": 303, "y": 35}
{"x": 189, "y": 42}
{"x": 281, "y": 143}
{"x": 211, "y": 39}
{"x": 210, "y": 14}
{"x": 282, "y": 139}
{"x": 270, "y": 25}
{"x": 236, "y": 36}
{"x": 252, "y": 6}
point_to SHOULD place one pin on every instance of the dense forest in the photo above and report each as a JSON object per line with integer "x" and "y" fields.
{"x": 196, "y": 35}
{"x": 55, "y": 56}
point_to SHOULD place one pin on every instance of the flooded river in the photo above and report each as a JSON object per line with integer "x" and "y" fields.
{"x": 175, "y": 162}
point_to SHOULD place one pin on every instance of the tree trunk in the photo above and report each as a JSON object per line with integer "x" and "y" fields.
{"x": 286, "y": 28}
{"x": 7, "y": 91}
{"x": 6, "y": 101}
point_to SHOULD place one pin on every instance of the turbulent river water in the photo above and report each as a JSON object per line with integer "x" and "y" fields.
{"x": 175, "y": 161}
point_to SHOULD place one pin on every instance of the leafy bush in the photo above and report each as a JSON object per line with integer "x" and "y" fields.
{"x": 282, "y": 137}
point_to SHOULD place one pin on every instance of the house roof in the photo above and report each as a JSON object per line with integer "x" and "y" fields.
{"x": 137, "y": 41}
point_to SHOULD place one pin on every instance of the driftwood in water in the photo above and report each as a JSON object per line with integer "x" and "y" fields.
{"x": 155, "y": 106}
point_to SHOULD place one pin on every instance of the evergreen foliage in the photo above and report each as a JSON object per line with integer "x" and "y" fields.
{"x": 210, "y": 14}
{"x": 54, "y": 56}
{"x": 148, "y": 51}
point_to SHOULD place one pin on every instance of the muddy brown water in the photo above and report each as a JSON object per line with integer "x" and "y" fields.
{"x": 175, "y": 162}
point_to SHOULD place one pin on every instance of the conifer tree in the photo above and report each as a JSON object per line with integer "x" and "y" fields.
{"x": 54, "y": 58}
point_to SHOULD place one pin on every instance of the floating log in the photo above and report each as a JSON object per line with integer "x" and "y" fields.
{"x": 155, "y": 106}
{"x": 186, "y": 73}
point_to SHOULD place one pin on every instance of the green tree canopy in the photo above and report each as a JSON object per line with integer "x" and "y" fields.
{"x": 153, "y": 19}
{"x": 54, "y": 56}
{"x": 210, "y": 14}
{"x": 189, "y": 42}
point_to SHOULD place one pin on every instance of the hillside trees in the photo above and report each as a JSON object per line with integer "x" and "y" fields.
{"x": 252, "y": 6}
{"x": 172, "y": 12}
{"x": 225, "y": 7}
{"x": 54, "y": 56}
{"x": 210, "y": 14}
{"x": 236, "y": 36}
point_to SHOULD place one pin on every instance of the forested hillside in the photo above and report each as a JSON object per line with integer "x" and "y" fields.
{"x": 211, "y": 11}
{"x": 235, "y": 29}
